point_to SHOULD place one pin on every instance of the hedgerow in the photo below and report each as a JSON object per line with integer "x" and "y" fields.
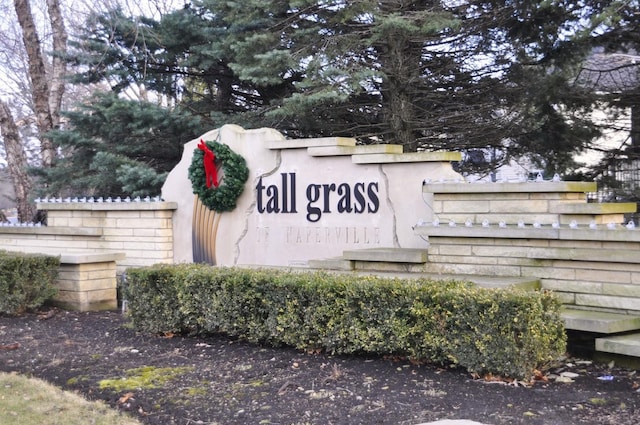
{"x": 26, "y": 281}
{"x": 508, "y": 333}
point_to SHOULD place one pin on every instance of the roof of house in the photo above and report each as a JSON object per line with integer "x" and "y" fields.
{"x": 610, "y": 72}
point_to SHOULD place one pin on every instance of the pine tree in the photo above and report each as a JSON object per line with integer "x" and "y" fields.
{"x": 117, "y": 147}
{"x": 475, "y": 75}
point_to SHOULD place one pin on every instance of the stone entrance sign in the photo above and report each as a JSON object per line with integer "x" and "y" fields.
{"x": 305, "y": 199}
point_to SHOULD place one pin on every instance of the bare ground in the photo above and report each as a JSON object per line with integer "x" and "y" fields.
{"x": 218, "y": 380}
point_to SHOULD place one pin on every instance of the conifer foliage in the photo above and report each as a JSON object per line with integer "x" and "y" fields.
{"x": 476, "y": 75}
{"x": 117, "y": 147}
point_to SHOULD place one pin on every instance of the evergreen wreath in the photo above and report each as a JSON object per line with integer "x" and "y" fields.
{"x": 219, "y": 197}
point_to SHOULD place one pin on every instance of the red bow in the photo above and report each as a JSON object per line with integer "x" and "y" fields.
{"x": 209, "y": 161}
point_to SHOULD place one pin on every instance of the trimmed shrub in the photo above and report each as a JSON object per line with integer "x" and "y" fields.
{"x": 26, "y": 281}
{"x": 503, "y": 332}
{"x": 152, "y": 299}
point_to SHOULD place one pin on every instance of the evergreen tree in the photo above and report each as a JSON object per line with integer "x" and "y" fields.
{"x": 427, "y": 74}
{"x": 466, "y": 75}
{"x": 117, "y": 147}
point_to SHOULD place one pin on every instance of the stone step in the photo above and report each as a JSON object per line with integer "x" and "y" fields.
{"x": 593, "y": 208}
{"x": 354, "y": 150}
{"x": 501, "y": 282}
{"x": 490, "y": 282}
{"x": 335, "y": 263}
{"x": 308, "y": 143}
{"x": 387, "y": 158}
{"x": 387, "y": 255}
{"x": 524, "y": 187}
{"x": 599, "y": 322}
{"x": 627, "y": 345}
{"x": 339, "y": 264}
{"x": 592, "y": 212}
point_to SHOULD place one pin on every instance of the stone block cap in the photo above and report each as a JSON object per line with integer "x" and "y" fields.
{"x": 524, "y": 187}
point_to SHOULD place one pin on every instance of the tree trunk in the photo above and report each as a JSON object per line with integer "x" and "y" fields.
{"x": 59, "y": 66}
{"x": 38, "y": 76}
{"x": 400, "y": 62}
{"x": 401, "y": 66}
{"x": 17, "y": 160}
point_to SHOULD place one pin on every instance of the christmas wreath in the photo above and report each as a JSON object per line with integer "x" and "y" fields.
{"x": 217, "y": 194}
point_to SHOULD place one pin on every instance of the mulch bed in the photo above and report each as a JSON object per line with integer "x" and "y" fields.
{"x": 233, "y": 382}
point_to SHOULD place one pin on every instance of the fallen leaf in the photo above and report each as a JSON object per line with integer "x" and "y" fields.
{"x": 492, "y": 378}
{"x": 394, "y": 358}
{"x": 13, "y": 346}
{"x": 416, "y": 362}
{"x": 47, "y": 315}
{"x": 539, "y": 376}
{"x": 125, "y": 398}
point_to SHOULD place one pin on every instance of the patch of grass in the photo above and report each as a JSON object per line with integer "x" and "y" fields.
{"x": 197, "y": 391}
{"x": 32, "y": 401}
{"x": 144, "y": 378}
{"x": 598, "y": 401}
{"x": 77, "y": 379}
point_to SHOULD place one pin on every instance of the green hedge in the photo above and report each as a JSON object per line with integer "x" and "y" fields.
{"x": 26, "y": 281}
{"x": 503, "y": 332}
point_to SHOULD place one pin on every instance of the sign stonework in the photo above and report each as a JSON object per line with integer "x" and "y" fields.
{"x": 306, "y": 199}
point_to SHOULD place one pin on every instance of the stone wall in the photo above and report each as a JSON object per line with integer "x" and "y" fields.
{"x": 584, "y": 252}
{"x": 95, "y": 242}
{"x": 306, "y": 199}
{"x": 142, "y": 231}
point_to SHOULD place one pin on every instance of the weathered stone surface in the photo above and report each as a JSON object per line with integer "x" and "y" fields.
{"x": 525, "y": 187}
{"x": 337, "y": 263}
{"x": 600, "y": 322}
{"x": 353, "y": 150}
{"x": 411, "y": 157}
{"x": 332, "y": 204}
{"x": 387, "y": 255}
{"x": 593, "y": 208}
{"x": 606, "y": 301}
{"x": 628, "y": 345}
{"x": 281, "y": 143}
